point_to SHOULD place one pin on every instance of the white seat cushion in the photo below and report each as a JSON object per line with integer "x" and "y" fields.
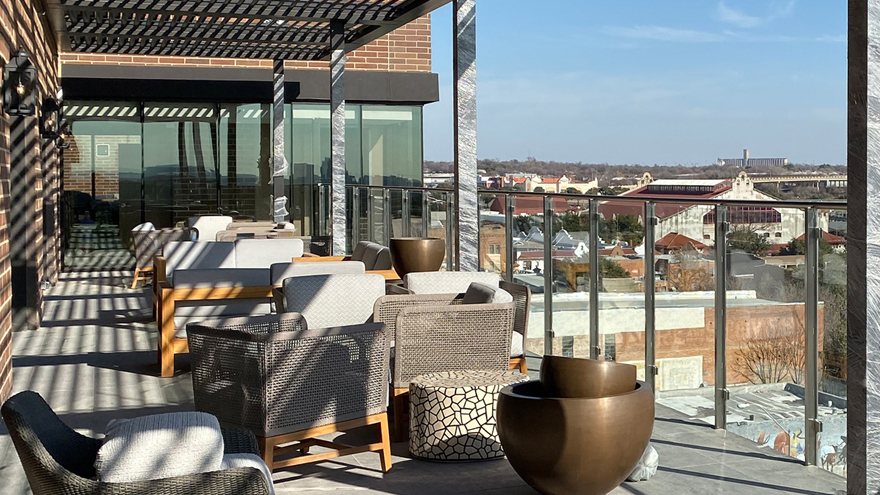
{"x": 261, "y": 253}
{"x": 516, "y": 345}
{"x": 283, "y": 271}
{"x": 447, "y": 282}
{"x": 160, "y": 446}
{"x": 197, "y": 255}
{"x": 328, "y": 301}
{"x": 208, "y": 226}
{"x": 231, "y": 461}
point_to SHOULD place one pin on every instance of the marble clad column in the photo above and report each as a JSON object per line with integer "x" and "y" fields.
{"x": 337, "y": 136}
{"x": 467, "y": 220}
{"x": 863, "y": 248}
{"x": 279, "y": 162}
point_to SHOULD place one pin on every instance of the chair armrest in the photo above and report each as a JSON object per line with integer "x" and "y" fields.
{"x": 429, "y": 339}
{"x": 388, "y": 274}
{"x": 278, "y": 299}
{"x": 388, "y": 307}
{"x": 239, "y": 441}
{"x": 159, "y": 263}
{"x": 246, "y": 481}
{"x": 308, "y": 255}
{"x": 395, "y": 289}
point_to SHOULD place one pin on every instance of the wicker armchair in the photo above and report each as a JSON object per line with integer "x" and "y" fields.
{"x": 289, "y": 384}
{"x": 436, "y": 332}
{"x": 58, "y": 460}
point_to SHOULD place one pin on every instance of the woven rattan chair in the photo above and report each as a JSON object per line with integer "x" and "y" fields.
{"x": 58, "y": 460}
{"x": 436, "y": 332}
{"x": 289, "y": 384}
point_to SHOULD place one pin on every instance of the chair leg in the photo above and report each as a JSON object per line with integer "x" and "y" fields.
{"x": 134, "y": 281}
{"x": 267, "y": 451}
{"x": 385, "y": 438}
{"x": 401, "y": 415}
{"x": 166, "y": 337}
{"x": 524, "y": 366}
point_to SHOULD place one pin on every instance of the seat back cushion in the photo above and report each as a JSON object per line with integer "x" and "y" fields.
{"x": 160, "y": 446}
{"x": 327, "y": 301}
{"x": 359, "y": 250}
{"x": 447, "y": 282}
{"x": 198, "y": 255}
{"x": 209, "y": 225}
{"x": 371, "y": 254}
{"x": 231, "y": 461}
{"x": 383, "y": 259}
{"x": 261, "y": 253}
{"x": 282, "y": 271}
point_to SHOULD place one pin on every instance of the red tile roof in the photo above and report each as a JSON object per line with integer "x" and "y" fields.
{"x": 529, "y": 205}
{"x": 674, "y": 241}
{"x": 834, "y": 240}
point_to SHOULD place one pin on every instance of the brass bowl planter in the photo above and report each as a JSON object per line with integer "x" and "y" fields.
{"x": 586, "y": 436}
{"x": 417, "y": 254}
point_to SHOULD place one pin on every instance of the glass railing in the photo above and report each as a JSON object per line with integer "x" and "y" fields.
{"x": 750, "y": 337}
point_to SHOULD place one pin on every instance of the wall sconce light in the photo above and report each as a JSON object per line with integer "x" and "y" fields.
{"x": 64, "y": 135}
{"x": 50, "y": 118}
{"x": 19, "y": 86}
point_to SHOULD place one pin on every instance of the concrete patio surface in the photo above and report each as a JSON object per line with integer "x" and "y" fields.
{"x": 95, "y": 360}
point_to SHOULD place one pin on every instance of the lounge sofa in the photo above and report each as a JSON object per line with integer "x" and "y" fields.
{"x": 198, "y": 280}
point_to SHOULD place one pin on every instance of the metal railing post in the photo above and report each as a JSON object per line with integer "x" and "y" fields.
{"x": 386, "y": 216}
{"x": 405, "y": 213}
{"x": 371, "y": 219}
{"x": 508, "y": 238}
{"x": 721, "y": 392}
{"x": 812, "y": 424}
{"x": 426, "y": 214}
{"x": 355, "y": 216}
{"x": 548, "y": 275}
{"x": 594, "y": 279}
{"x": 450, "y": 239}
{"x": 322, "y": 211}
{"x": 650, "y": 358}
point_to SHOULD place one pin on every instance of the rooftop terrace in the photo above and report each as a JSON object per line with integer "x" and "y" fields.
{"x": 94, "y": 360}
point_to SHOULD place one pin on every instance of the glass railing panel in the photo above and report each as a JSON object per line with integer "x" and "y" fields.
{"x": 493, "y": 249}
{"x": 832, "y": 342}
{"x": 439, "y": 221}
{"x": 394, "y": 222}
{"x": 569, "y": 244}
{"x": 766, "y": 325}
{"x": 684, "y": 330}
{"x": 528, "y": 263}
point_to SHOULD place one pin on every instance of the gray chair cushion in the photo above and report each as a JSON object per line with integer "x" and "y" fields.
{"x": 197, "y": 255}
{"x": 231, "y": 461}
{"x": 383, "y": 259}
{"x": 371, "y": 254}
{"x": 160, "y": 446}
{"x": 261, "y": 253}
{"x": 447, "y": 282}
{"x": 478, "y": 294}
{"x": 327, "y": 301}
{"x": 222, "y": 277}
{"x": 281, "y": 271}
{"x": 358, "y": 253}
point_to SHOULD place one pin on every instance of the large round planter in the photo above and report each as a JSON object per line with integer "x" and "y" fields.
{"x": 575, "y": 445}
{"x": 417, "y": 254}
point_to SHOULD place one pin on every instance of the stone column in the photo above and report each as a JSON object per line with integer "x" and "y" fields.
{"x": 467, "y": 218}
{"x": 337, "y": 136}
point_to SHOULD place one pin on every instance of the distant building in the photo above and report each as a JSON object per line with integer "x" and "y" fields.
{"x": 746, "y": 161}
{"x": 560, "y": 184}
{"x": 778, "y": 225}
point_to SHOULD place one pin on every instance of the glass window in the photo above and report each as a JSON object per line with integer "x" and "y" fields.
{"x": 102, "y": 178}
{"x": 180, "y": 178}
{"x": 392, "y": 145}
{"x": 246, "y": 160}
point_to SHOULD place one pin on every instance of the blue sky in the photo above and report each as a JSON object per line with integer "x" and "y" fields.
{"x": 648, "y": 81}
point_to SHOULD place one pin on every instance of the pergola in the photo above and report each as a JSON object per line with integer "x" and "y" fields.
{"x": 282, "y": 30}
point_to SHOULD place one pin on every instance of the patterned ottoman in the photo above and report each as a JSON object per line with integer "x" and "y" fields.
{"x": 452, "y": 414}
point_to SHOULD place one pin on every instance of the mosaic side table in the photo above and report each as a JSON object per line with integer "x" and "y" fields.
{"x": 452, "y": 414}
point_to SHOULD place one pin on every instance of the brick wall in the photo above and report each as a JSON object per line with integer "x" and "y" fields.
{"x": 407, "y": 49}
{"x": 27, "y": 164}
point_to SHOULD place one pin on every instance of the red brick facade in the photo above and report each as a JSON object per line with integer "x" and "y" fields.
{"x": 28, "y": 178}
{"x": 406, "y": 49}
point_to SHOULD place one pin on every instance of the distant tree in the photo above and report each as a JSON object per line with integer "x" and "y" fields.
{"x": 538, "y": 189}
{"x": 609, "y": 269}
{"x": 575, "y": 221}
{"x": 688, "y": 273}
{"x": 799, "y": 246}
{"x": 622, "y": 228}
{"x": 572, "y": 190}
{"x": 612, "y": 191}
{"x": 744, "y": 238}
{"x": 776, "y": 354}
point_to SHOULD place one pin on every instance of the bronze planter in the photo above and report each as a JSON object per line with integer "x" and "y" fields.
{"x": 417, "y": 254}
{"x": 581, "y": 445}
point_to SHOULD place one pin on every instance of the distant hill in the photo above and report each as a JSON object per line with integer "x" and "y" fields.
{"x": 606, "y": 173}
